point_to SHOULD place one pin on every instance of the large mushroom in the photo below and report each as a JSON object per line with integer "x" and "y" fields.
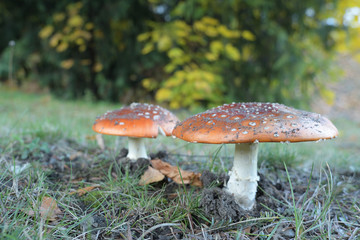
{"x": 247, "y": 124}
{"x": 137, "y": 121}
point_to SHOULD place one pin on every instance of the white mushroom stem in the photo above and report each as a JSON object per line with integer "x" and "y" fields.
{"x": 243, "y": 176}
{"x": 136, "y": 148}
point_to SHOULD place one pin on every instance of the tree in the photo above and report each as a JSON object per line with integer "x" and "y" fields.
{"x": 251, "y": 51}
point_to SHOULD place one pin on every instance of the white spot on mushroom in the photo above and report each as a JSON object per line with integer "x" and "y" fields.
{"x": 276, "y": 134}
{"x": 252, "y": 123}
{"x": 289, "y": 116}
{"x": 245, "y": 132}
{"x": 223, "y": 116}
{"x": 256, "y": 141}
{"x": 156, "y": 117}
{"x": 233, "y": 130}
{"x": 121, "y": 123}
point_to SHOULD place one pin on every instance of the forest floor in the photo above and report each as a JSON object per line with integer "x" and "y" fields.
{"x": 60, "y": 182}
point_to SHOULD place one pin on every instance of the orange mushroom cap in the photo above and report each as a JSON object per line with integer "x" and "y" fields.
{"x": 254, "y": 122}
{"x": 136, "y": 120}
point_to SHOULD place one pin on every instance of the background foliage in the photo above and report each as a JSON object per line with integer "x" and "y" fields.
{"x": 182, "y": 53}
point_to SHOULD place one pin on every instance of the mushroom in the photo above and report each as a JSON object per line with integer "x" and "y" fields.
{"x": 137, "y": 121}
{"x": 245, "y": 125}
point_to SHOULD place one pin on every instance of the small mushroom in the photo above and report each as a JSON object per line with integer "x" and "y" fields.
{"x": 245, "y": 125}
{"x": 137, "y": 121}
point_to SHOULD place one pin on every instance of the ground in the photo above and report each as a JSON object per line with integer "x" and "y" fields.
{"x": 47, "y": 149}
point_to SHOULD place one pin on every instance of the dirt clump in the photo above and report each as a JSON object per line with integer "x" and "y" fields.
{"x": 220, "y": 205}
{"x": 210, "y": 179}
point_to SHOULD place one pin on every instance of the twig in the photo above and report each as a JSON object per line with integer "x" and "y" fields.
{"x": 155, "y": 227}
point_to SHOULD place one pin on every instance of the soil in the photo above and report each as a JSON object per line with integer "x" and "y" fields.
{"x": 66, "y": 162}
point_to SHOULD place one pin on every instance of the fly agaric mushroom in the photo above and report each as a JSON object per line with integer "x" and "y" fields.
{"x": 245, "y": 125}
{"x": 137, "y": 121}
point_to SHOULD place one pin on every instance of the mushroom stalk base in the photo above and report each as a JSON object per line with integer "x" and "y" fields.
{"x": 243, "y": 176}
{"x": 136, "y": 149}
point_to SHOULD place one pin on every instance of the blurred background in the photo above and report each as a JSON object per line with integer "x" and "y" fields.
{"x": 180, "y": 54}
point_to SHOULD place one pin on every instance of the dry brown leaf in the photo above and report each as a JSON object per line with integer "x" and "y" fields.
{"x": 173, "y": 172}
{"x": 85, "y": 190}
{"x": 75, "y": 155}
{"x": 151, "y": 175}
{"x": 48, "y": 209}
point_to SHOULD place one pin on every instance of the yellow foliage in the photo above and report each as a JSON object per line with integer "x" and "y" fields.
{"x": 144, "y": 36}
{"x": 193, "y": 52}
{"x": 248, "y": 35}
{"x": 202, "y": 85}
{"x": 75, "y": 21}
{"x": 58, "y": 17}
{"x": 182, "y": 25}
{"x": 188, "y": 86}
{"x": 211, "y": 56}
{"x": 216, "y": 47}
{"x": 232, "y": 52}
{"x": 46, "y": 31}
{"x": 163, "y": 94}
{"x": 199, "y": 26}
{"x": 62, "y": 46}
{"x": 175, "y": 104}
{"x": 227, "y": 33}
{"x": 80, "y": 41}
{"x": 149, "y": 84}
{"x": 55, "y": 39}
{"x": 175, "y": 53}
{"x": 164, "y": 43}
{"x": 74, "y": 8}
{"x": 67, "y": 64}
{"x": 211, "y": 31}
{"x": 210, "y": 21}
{"x": 147, "y": 48}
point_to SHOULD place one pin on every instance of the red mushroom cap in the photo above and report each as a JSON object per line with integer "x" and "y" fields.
{"x": 252, "y": 122}
{"x": 136, "y": 120}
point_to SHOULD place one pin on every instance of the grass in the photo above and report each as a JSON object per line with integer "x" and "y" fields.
{"x": 315, "y": 195}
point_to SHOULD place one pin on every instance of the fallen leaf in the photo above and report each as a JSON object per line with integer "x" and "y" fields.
{"x": 75, "y": 155}
{"x": 85, "y": 190}
{"x": 48, "y": 209}
{"x": 176, "y": 174}
{"x": 151, "y": 175}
